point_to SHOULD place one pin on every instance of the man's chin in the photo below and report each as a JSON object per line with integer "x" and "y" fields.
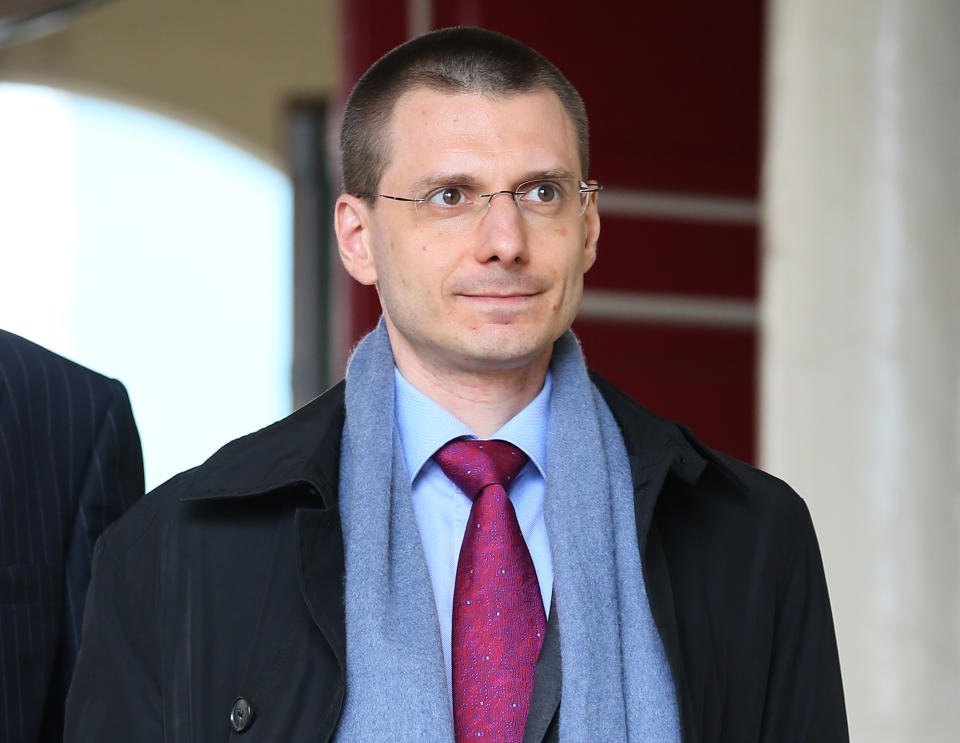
{"x": 504, "y": 348}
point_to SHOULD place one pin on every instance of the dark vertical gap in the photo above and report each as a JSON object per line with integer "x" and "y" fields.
{"x": 313, "y": 199}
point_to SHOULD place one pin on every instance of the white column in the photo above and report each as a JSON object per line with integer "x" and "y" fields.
{"x": 861, "y": 337}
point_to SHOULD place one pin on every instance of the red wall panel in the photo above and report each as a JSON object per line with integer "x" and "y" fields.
{"x": 703, "y": 377}
{"x": 670, "y": 256}
{"x": 369, "y": 30}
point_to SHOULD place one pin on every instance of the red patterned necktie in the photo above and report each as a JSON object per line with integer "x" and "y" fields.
{"x": 498, "y": 618}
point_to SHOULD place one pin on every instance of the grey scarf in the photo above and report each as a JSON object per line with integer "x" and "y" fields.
{"x": 616, "y": 681}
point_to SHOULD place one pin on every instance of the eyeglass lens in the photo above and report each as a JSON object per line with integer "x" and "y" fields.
{"x": 552, "y": 198}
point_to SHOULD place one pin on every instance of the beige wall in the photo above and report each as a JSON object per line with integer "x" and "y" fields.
{"x": 226, "y": 65}
{"x": 861, "y": 337}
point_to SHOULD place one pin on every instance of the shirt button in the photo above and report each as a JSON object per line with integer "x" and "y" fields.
{"x": 241, "y": 715}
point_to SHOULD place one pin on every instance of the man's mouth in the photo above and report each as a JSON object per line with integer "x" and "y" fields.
{"x": 517, "y": 289}
{"x": 499, "y": 295}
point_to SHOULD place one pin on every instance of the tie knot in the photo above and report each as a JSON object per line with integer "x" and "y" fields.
{"x": 472, "y": 465}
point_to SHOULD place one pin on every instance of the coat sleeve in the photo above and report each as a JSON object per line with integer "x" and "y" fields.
{"x": 115, "y": 693}
{"x": 804, "y": 699}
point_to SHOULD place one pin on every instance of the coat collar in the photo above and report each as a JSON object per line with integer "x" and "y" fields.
{"x": 651, "y": 441}
{"x": 303, "y": 448}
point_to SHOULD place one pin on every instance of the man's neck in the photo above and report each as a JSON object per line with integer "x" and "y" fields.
{"x": 485, "y": 401}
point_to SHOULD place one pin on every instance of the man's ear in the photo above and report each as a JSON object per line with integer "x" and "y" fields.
{"x": 592, "y": 217}
{"x": 351, "y": 223}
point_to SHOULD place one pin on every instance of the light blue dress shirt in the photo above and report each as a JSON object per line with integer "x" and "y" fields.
{"x": 442, "y": 510}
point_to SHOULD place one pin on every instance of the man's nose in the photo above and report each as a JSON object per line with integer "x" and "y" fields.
{"x": 503, "y": 230}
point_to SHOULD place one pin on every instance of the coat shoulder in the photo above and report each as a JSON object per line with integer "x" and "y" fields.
{"x": 700, "y": 476}
{"x": 736, "y": 585}
{"x": 301, "y": 449}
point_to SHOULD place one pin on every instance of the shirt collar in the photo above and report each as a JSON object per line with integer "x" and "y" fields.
{"x": 425, "y": 425}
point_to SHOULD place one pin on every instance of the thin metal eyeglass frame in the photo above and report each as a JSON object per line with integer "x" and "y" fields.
{"x": 584, "y": 188}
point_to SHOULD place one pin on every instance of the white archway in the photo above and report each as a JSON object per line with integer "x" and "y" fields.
{"x": 151, "y": 251}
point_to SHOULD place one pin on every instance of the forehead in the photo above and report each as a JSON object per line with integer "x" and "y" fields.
{"x": 487, "y": 137}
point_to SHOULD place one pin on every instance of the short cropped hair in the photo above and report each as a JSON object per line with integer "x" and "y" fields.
{"x": 454, "y": 60}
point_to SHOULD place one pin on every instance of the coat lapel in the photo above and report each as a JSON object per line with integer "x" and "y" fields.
{"x": 547, "y": 682}
{"x": 321, "y": 571}
{"x": 299, "y": 454}
{"x": 297, "y": 651}
{"x": 295, "y": 460}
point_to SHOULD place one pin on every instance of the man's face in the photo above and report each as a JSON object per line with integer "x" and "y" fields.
{"x": 485, "y": 294}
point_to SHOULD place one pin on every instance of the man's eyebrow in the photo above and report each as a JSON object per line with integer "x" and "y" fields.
{"x": 427, "y": 183}
{"x": 540, "y": 175}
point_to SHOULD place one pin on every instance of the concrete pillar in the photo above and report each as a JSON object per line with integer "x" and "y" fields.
{"x": 861, "y": 337}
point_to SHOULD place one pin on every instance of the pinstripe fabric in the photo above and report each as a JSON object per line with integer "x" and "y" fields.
{"x": 70, "y": 463}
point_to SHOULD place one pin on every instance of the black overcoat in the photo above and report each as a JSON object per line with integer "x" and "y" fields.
{"x": 227, "y": 582}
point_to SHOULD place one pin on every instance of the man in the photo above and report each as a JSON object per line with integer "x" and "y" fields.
{"x": 70, "y": 463}
{"x": 471, "y": 537}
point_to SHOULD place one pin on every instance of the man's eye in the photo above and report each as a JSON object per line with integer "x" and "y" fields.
{"x": 542, "y": 192}
{"x": 446, "y": 196}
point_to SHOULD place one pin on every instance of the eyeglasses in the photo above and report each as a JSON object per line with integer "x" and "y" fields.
{"x": 553, "y": 198}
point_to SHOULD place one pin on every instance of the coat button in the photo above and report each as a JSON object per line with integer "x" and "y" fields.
{"x": 241, "y": 715}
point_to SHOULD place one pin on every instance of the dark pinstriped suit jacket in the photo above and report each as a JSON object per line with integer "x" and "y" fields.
{"x": 70, "y": 463}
